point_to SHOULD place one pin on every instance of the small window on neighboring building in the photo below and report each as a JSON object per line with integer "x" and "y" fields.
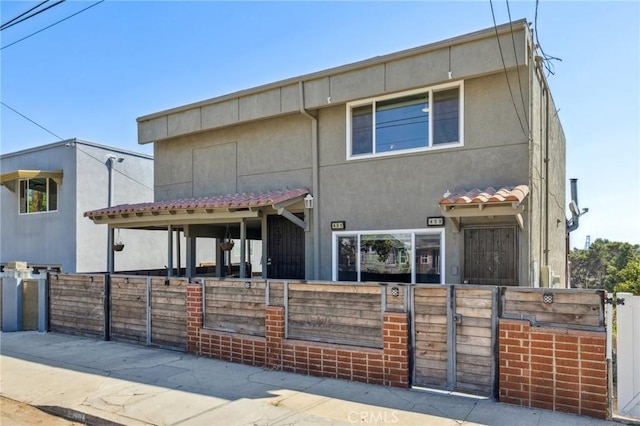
{"x": 38, "y": 195}
{"x": 405, "y": 122}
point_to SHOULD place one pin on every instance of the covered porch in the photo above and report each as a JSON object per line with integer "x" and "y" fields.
{"x": 246, "y": 217}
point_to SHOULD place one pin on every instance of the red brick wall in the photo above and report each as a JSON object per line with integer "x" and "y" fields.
{"x": 387, "y": 366}
{"x": 555, "y": 369}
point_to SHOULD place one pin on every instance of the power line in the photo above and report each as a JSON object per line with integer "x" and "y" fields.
{"x": 28, "y": 119}
{"x": 7, "y": 25}
{"x": 24, "y": 13}
{"x": 55, "y": 23}
{"x": 515, "y": 56}
{"x": 504, "y": 66}
{"x": 79, "y": 149}
{"x": 546, "y": 59}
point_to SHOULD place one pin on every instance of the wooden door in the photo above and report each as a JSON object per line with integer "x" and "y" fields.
{"x": 490, "y": 256}
{"x": 285, "y": 249}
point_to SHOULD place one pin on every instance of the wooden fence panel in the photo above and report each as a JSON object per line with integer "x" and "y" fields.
{"x": 169, "y": 312}
{"x": 475, "y": 340}
{"x": 580, "y": 309}
{"x": 430, "y": 325}
{"x": 234, "y": 306}
{"x": 77, "y": 304}
{"x": 129, "y": 309}
{"x": 276, "y": 293}
{"x": 331, "y": 313}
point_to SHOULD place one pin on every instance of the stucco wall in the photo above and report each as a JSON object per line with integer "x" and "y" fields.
{"x": 258, "y": 140}
{"x": 548, "y": 182}
{"x": 400, "y": 192}
{"x": 395, "y": 192}
{"x": 65, "y": 237}
{"x": 40, "y": 238}
{"x": 132, "y": 183}
{"x": 465, "y": 57}
{"x": 258, "y": 156}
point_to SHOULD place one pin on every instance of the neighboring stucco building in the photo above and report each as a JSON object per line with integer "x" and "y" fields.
{"x": 46, "y": 190}
{"x": 443, "y": 163}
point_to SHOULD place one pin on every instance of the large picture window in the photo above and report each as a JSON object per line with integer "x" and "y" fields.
{"x": 405, "y": 122}
{"x": 407, "y": 256}
{"x": 38, "y": 195}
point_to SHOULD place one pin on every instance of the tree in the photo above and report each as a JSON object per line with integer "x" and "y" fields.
{"x": 629, "y": 278}
{"x": 602, "y": 265}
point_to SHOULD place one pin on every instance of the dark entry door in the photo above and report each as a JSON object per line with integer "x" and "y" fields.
{"x": 285, "y": 249}
{"x": 490, "y": 256}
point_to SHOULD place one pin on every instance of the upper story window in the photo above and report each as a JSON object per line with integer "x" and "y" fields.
{"x": 38, "y": 195}
{"x": 405, "y": 122}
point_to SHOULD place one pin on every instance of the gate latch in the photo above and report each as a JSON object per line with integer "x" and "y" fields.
{"x": 611, "y": 301}
{"x": 457, "y": 318}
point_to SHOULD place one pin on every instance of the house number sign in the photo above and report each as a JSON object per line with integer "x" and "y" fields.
{"x": 338, "y": 226}
{"x": 435, "y": 221}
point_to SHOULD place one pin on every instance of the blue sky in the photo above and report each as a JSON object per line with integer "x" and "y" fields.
{"x": 92, "y": 75}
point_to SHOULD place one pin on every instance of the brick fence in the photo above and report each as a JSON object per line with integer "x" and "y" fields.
{"x": 386, "y": 366}
{"x": 554, "y": 369}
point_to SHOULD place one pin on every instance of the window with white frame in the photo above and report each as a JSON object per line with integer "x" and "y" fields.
{"x": 405, "y": 122}
{"x": 410, "y": 256}
{"x": 38, "y": 195}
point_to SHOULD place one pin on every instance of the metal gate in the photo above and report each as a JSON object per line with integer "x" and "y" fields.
{"x": 455, "y": 337}
{"x": 285, "y": 248}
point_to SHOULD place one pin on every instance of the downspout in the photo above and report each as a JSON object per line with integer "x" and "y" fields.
{"x": 545, "y": 158}
{"x": 546, "y": 176}
{"x": 314, "y": 182}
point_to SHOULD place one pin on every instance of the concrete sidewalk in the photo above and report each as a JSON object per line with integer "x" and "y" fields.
{"x": 135, "y": 385}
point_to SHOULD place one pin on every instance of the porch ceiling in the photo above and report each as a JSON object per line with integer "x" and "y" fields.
{"x": 202, "y": 210}
{"x": 506, "y": 201}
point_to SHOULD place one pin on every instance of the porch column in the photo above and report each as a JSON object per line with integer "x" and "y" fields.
{"x": 191, "y": 257}
{"x": 219, "y": 259}
{"x": 170, "y": 250}
{"x": 179, "y": 253}
{"x": 265, "y": 245}
{"x": 110, "y": 257}
{"x": 243, "y": 248}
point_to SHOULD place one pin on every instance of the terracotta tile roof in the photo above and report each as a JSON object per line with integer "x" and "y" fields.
{"x": 485, "y": 196}
{"x": 239, "y": 200}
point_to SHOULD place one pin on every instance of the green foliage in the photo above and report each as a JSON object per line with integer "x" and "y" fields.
{"x": 382, "y": 247}
{"x": 629, "y": 278}
{"x": 609, "y": 265}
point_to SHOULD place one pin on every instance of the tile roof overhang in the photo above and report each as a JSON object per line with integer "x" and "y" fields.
{"x": 9, "y": 179}
{"x": 506, "y": 201}
{"x": 214, "y": 209}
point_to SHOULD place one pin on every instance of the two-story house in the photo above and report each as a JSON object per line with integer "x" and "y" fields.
{"x": 45, "y": 192}
{"x": 443, "y": 163}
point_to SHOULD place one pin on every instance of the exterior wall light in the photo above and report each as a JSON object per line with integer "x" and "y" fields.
{"x": 308, "y": 201}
